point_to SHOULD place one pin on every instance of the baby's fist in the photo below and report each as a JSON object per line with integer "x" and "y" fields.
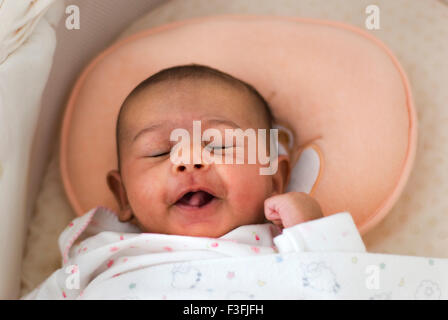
{"x": 289, "y": 209}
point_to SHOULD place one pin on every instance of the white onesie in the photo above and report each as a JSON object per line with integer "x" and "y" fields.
{"x": 104, "y": 258}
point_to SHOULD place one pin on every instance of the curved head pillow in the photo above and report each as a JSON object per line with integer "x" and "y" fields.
{"x": 340, "y": 91}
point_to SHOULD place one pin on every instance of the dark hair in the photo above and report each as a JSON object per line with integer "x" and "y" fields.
{"x": 189, "y": 71}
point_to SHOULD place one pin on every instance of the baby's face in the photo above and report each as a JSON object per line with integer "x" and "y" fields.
{"x": 195, "y": 199}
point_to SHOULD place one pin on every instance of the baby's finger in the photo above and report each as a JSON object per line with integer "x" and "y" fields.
{"x": 271, "y": 210}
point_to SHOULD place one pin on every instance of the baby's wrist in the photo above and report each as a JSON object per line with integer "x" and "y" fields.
{"x": 300, "y": 218}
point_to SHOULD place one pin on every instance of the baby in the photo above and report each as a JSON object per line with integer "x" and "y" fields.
{"x": 197, "y": 199}
{"x": 175, "y": 214}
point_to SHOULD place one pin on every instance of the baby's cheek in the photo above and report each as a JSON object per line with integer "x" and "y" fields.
{"x": 142, "y": 191}
{"x": 247, "y": 189}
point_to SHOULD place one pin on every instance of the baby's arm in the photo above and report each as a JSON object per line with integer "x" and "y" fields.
{"x": 305, "y": 228}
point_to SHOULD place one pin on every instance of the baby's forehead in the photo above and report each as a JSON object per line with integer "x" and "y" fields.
{"x": 197, "y": 98}
{"x": 186, "y": 89}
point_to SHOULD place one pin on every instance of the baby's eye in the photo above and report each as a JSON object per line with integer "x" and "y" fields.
{"x": 219, "y": 147}
{"x": 159, "y": 154}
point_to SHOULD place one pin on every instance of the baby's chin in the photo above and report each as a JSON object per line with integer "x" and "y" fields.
{"x": 202, "y": 231}
{"x": 197, "y": 230}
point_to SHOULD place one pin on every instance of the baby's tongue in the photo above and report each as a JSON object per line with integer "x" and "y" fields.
{"x": 195, "y": 198}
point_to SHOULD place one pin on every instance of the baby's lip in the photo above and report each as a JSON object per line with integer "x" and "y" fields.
{"x": 182, "y": 192}
{"x": 186, "y": 190}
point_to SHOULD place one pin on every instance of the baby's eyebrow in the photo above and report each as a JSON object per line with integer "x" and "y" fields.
{"x": 156, "y": 126}
{"x": 148, "y": 129}
{"x": 222, "y": 121}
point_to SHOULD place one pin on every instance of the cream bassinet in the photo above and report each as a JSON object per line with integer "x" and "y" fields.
{"x": 32, "y": 198}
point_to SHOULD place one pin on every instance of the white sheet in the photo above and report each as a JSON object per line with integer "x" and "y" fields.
{"x": 324, "y": 258}
{"x": 106, "y": 259}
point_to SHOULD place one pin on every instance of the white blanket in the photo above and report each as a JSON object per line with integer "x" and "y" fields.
{"x": 325, "y": 259}
{"x": 27, "y": 44}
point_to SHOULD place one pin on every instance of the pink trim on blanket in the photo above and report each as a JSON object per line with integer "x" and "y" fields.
{"x": 76, "y": 235}
{"x": 84, "y": 226}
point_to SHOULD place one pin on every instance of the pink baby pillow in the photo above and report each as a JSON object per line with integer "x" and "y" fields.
{"x": 341, "y": 92}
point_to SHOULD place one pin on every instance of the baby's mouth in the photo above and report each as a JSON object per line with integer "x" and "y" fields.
{"x": 196, "y": 199}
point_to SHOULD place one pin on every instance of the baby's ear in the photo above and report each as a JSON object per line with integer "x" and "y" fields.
{"x": 116, "y": 186}
{"x": 281, "y": 178}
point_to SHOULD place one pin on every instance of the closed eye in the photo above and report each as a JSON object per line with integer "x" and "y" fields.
{"x": 219, "y": 147}
{"x": 220, "y": 150}
{"x": 159, "y": 154}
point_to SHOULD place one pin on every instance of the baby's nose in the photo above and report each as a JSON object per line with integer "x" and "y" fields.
{"x": 182, "y": 167}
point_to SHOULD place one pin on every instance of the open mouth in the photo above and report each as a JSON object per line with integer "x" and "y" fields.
{"x": 195, "y": 199}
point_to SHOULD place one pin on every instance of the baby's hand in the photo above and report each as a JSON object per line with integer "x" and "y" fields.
{"x": 288, "y": 209}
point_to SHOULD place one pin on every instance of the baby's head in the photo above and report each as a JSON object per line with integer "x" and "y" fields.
{"x": 195, "y": 198}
